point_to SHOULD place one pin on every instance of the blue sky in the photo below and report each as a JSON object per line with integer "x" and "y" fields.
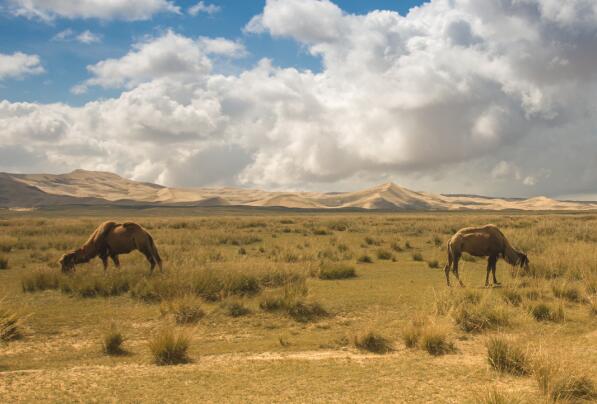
{"x": 65, "y": 61}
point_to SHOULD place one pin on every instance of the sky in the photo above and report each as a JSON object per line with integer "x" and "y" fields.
{"x": 454, "y": 96}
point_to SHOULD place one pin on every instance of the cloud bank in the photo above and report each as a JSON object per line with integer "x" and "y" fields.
{"x": 457, "y": 96}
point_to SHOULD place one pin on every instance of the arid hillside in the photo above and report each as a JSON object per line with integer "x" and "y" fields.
{"x": 97, "y": 188}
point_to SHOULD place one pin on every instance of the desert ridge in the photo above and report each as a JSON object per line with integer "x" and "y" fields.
{"x": 105, "y": 188}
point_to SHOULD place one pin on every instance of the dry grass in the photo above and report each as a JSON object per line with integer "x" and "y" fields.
{"x": 3, "y": 262}
{"x": 231, "y": 262}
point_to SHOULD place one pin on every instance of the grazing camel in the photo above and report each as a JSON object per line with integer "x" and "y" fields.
{"x": 111, "y": 239}
{"x": 485, "y": 241}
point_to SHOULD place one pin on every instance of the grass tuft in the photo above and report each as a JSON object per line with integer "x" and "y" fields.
{"x": 434, "y": 340}
{"x": 568, "y": 292}
{"x": 112, "y": 341}
{"x": 3, "y": 262}
{"x": 487, "y": 315}
{"x": 237, "y": 309}
{"x": 506, "y": 357}
{"x": 493, "y": 396}
{"x": 547, "y": 312}
{"x": 563, "y": 384}
{"x": 184, "y": 310}
{"x": 373, "y": 342}
{"x": 10, "y": 325}
{"x": 384, "y": 254}
{"x": 336, "y": 271}
{"x": 433, "y": 264}
{"x": 365, "y": 259}
{"x": 169, "y": 347}
{"x": 417, "y": 256}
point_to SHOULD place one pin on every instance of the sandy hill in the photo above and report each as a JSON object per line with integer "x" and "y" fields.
{"x": 94, "y": 187}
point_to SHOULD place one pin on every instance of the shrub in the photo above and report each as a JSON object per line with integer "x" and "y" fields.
{"x": 184, "y": 310}
{"x": 433, "y": 264}
{"x": 169, "y": 347}
{"x": 337, "y": 271}
{"x": 417, "y": 256}
{"x": 373, "y": 342}
{"x": 384, "y": 254}
{"x": 112, "y": 341}
{"x": 321, "y": 232}
{"x": 365, "y": 259}
{"x": 435, "y": 341}
{"x": 3, "y": 263}
{"x": 546, "y": 312}
{"x": 506, "y": 357}
{"x": 488, "y": 315}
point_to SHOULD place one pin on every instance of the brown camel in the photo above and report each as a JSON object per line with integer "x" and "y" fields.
{"x": 485, "y": 241}
{"x": 111, "y": 239}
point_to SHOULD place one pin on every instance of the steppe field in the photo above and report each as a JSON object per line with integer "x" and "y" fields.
{"x": 279, "y": 306}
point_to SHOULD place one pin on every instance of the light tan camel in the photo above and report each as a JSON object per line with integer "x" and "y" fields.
{"x": 485, "y": 241}
{"x": 111, "y": 239}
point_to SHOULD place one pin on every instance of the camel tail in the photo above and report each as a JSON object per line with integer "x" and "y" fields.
{"x": 450, "y": 256}
{"x": 154, "y": 251}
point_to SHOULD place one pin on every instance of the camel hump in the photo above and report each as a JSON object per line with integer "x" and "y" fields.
{"x": 131, "y": 226}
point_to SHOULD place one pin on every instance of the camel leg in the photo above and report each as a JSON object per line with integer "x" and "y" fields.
{"x": 104, "y": 258}
{"x": 115, "y": 260}
{"x": 488, "y": 271}
{"x": 447, "y": 271}
{"x": 455, "y": 269}
{"x": 150, "y": 259}
{"x": 493, "y": 268}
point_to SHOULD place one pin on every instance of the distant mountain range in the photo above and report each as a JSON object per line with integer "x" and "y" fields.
{"x": 83, "y": 187}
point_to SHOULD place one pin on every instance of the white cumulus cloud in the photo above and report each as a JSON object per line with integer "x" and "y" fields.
{"x": 202, "y": 7}
{"x": 18, "y": 65}
{"x": 102, "y": 9}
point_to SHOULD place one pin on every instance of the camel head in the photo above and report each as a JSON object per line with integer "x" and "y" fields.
{"x": 67, "y": 261}
{"x": 523, "y": 261}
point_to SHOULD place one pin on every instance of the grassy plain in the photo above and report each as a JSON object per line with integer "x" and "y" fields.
{"x": 271, "y": 310}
